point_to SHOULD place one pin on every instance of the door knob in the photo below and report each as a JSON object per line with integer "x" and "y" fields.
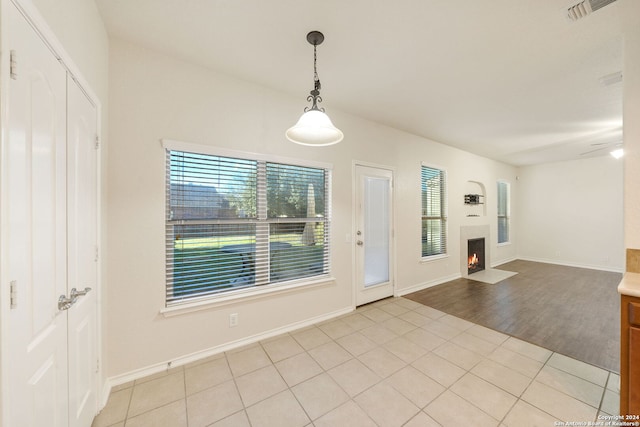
{"x": 359, "y": 243}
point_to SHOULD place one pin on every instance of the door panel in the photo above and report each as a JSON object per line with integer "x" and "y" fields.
{"x": 634, "y": 371}
{"x": 34, "y": 232}
{"x": 376, "y": 227}
{"x": 374, "y": 234}
{"x": 82, "y": 256}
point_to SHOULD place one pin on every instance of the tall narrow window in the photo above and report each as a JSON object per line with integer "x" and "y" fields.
{"x": 434, "y": 211}
{"x": 503, "y": 212}
{"x": 234, "y": 223}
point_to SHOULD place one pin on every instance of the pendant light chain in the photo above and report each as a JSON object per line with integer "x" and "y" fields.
{"x": 314, "y": 95}
{"x": 316, "y": 79}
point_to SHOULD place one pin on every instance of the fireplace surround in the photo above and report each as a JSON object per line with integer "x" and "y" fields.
{"x": 473, "y": 232}
{"x": 487, "y": 274}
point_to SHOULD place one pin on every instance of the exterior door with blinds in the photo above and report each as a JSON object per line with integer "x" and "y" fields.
{"x": 374, "y": 234}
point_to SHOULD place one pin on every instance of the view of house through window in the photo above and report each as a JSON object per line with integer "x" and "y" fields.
{"x": 234, "y": 223}
{"x": 503, "y": 212}
{"x": 434, "y": 212}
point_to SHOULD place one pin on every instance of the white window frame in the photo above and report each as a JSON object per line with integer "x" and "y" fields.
{"x": 258, "y": 291}
{"x": 445, "y": 213}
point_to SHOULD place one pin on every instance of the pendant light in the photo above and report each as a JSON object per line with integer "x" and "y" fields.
{"x": 314, "y": 127}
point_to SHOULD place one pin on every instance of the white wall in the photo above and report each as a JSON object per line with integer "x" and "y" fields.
{"x": 78, "y": 26}
{"x": 153, "y": 96}
{"x": 630, "y": 10}
{"x": 572, "y": 213}
{"x": 461, "y": 168}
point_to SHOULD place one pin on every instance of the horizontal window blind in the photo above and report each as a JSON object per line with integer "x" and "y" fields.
{"x": 235, "y": 223}
{"x": 211, "y": 187}
{"x": 298, "y": 217}
{"x": 434, "y": 220}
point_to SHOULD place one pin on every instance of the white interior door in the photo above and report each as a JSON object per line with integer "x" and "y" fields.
{"x": 82, "y": 255}
{"x": 374, "y": 234}
{"x": 48, "y": 239}
{"x": 34, "y": 253}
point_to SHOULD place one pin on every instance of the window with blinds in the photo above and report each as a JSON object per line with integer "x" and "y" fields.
{"x": 235, "y": 223}
{"x": 503, "y": 212}
{"x": 434, "y": 211}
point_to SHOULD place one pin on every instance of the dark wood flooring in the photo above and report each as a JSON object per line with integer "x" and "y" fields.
{"x": 569, "y": 310}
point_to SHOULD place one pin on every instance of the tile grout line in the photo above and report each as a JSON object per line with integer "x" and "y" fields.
{"x": 184, "y": 384}
{"x": 468, "y": 371}
{"x": 604, "y": 392}
{"x": 289, "y": 388}
{"x": 126, "y": 414}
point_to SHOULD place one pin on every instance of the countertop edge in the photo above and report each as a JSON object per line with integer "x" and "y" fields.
{"x": 630, "y": 284}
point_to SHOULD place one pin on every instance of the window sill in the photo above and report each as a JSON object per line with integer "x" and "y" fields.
{"x": 504, "y": 244}
{"x": 244, "y": 295}
{"x": 433, "y": 258}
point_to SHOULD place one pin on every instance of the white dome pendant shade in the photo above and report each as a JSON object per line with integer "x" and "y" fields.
{"x": 314, "y": 127}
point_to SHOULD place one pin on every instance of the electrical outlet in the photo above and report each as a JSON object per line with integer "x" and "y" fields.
{"x": 233, "y": 320}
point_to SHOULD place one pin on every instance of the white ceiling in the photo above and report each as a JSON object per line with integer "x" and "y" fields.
{"x": 512, "y": 80}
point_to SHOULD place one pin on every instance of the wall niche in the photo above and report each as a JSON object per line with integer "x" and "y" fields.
{"x": 475, "y": 200}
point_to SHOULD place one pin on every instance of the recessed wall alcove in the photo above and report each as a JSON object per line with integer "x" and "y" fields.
{"x": 475, "y": 200}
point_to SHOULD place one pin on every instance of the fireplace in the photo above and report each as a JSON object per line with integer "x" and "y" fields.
{"x": 475, "y": 255}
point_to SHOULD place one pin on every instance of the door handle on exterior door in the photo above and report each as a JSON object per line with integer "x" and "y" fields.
{"x": 359, "y": 243}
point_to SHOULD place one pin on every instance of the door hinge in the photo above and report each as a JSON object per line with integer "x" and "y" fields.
{"x": 13, "y": 292}
{"x": 13, "y": 65}
{"x": 97, "y": 142}
{"x": 97, "y": 366}
{"x": 97, "y": 254}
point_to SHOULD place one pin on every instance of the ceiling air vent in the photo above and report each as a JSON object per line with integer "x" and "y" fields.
{"x": 585, "y": 7}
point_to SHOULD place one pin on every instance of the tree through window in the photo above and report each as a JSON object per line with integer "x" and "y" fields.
{"x": 233, "y": 223}
{"x": 434, "y": 212}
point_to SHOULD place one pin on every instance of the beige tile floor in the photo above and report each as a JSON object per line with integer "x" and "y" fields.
{"x": 391, "y": 363}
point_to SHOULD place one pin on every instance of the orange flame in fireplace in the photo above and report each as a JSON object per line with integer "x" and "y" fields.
{"x": 473, "y": 261}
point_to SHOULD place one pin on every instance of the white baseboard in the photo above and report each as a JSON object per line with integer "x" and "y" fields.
{"x": 572, "y": 264}
{"x": 425, "y": 285}
{"x": 183, "y": 360}
{"x": 503, "y": 261}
